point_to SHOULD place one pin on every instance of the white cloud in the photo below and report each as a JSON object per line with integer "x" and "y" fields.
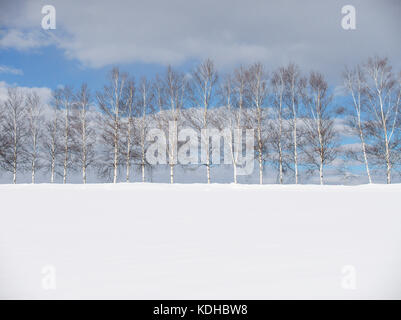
{"x": 24, "y": 40}
{"x": 43, "y": 92}
{"x": 10, "y": 70}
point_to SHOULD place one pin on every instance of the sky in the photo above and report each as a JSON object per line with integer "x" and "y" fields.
{"x": 143, "y": 37}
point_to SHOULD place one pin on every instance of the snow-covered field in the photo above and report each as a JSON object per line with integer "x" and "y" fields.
{"x": 193, "y": 241}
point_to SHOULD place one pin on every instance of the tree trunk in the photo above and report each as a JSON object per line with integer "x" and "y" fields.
{"x": 171, "y": 173}
{"x": 65, "y": 150}
{"x": 365, "y": 157}
{"x": 388, "y": 164}
{"x": 84, "y": 175}
{"x": 295, "y": 151}
{"x": 115, "y": 161}
{"x": 128, "y": 165}
{"x": 53, "y": 165}
{"x": 321, "y": 172}
{"x": 33, "y": 171}
{"x": 14, "y": 172}
{"x": 15, "y": 165}
{"x": 235, "y": 172}
{"x": 143, "y": 150}
{"x": 280, "y": 151}
{"x": 65, "y": 170}
{"x": 260, "y": 169}
{"x": 34, "y": 157}
{"x": 260, "y": 147}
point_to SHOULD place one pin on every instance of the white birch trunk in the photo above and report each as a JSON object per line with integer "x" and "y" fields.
{"x": 116, "y": 136}
{"x": 53, "y": 165}
{"x": 66, "y": 150}
{"x": 15, "y": 153}
{"x": 115, "y": 160}
{"x": 260, "y": 149}
{"x": 84, "y": 147}
{"x": 235, "y": 172}
{"x": 280, "y": 151}
{"x": 295, "y": 149}
{"x": 321, "y": 172}
{"x": 365, "y": 156}
{"x": 34, "y": 158}
{"x": 143, "y": 150}
{"x": 128, "y": 159}
{"x": 171, "y": 173}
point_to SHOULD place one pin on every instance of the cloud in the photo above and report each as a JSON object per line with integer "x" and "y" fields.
{"x": 23, "y": 40}
{"x": 44, "y": 93}
{"x": 10, "y": 70}
{"x": 102, "y": 33}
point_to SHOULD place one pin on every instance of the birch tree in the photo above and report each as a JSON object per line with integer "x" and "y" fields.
{"x": 66, "y": 95}
{"x": 321, "y": 148}
{"x": 276, "y": 125}
{"x": 51, "y": 142}
{"x": 84, "y": 135}
{"x": 129, "y": 103}
{"x": 294, "y": 88}
{"x": 145, "y": 108}
{"x": 258, "y": 93}
{"x": 355, "y": 83}
{"x": 383, "y": 92}
{"x": 35, "y": 129}
{"x": 15, "y": 130}
{"x": 174, "y": 86}
{"x": 235, "y": 91}
{"x": 110, "y": 104}
{"x": 229, "y": 118}
{"x": 202, "y": 89}
{"x": 4, "y": 143}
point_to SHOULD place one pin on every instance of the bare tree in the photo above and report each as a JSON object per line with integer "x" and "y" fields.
{"x": 321, "y": 147}
{"x": 4, "y": 143}
{"x": 294, "y": 88}
{"x": 15, "y": 132}
{"x": 257, "y": 82}
{"x": 66, "y": 96}
{"x": 235, "y": 89}
{"x": 276, "y": 126}
{"x": 83, "y": 132}
{"x": 355, "y": 83}
{"x": 51, "y": 142}
{"x": 229, "y": 118}
{"x": 234, "y": 116}
{"x": 203, "y": 84}
{"x": 110, "y": 102}
{"x": 35, "y": 129}
{"x": 129, "y": 108}
{"x": 383, "y": 92}
{"x": 145, "y": 107}
{"x": 174, "y": 90}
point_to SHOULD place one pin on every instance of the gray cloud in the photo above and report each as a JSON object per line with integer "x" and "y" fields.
{"x": 101, "y": 33}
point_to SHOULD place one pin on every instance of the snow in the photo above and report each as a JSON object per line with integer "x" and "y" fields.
{"x": 197, "y": 241}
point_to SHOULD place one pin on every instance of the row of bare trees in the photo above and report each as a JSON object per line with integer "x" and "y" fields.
{"x": 375, "y": 114}
{"x": 297, "y": 126}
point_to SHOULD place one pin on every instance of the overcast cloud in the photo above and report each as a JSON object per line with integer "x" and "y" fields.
{"x": 102, "y": 33}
